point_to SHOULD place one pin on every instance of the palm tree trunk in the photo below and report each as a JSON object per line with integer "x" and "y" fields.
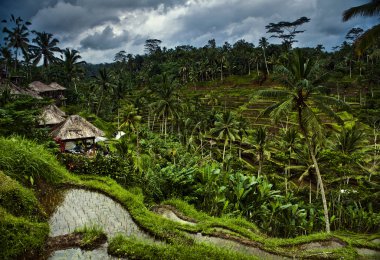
{"x": 224, "y": 149}
{"x": 266, "y": 63}
{"x": 100, "y": 103}
{"x": 319, "y": 177}
{"x": 323, "y": 195}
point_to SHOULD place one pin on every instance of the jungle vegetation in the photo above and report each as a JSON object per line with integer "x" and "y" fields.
{"x": 286, "y": 138}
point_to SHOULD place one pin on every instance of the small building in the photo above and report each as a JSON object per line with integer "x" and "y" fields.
{"x": 51, "y": 116}
{"x": 18, "y": 91}
{"x": 53, "y": 90}
{"x": 75, "y": 129}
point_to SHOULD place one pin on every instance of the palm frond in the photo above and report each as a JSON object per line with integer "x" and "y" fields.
{"x": 331, "y": 101}
{"x": 367, "y": 39}
{"x": 274, "y": 93}
{"x": 282, "y": 109}
{"x": 369, "y": 9}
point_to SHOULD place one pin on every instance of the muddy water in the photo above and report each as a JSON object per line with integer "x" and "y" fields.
{"x": 75, "y": 208}
{"x": 87, "y": 208}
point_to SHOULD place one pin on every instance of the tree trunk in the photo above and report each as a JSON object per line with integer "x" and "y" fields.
{"x": 323, "y": 195}
{"x": 319, "y": 177}
{"x": 224, "y": 149}
{"x": 100, "y": 102}
{"x": 266, "y": 63}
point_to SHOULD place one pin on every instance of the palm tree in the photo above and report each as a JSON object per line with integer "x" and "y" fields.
{"x": 70, "y": 63}
{"x": 45, "y": 48}
{"x": 17, "y": 37}
{"x": 226, "y": 127}
{"x": 104, "y": 80}
{"x": 372, "y": 8}
{"x": 263, "y": 43}
{"x": 303, "y": 97}
{"x": 166, "y": 101}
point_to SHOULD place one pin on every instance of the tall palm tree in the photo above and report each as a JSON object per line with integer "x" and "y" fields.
{"x": 303, "y": 97}
{"x": 104, "y": 81}
{"x": 70, "y": 61}
{"x": 45, "y": 48}
{"x": 166, "y": 101}
{"x": 372, "y": 8}
{"x": 17, "y": 37}
{"x": 226, "y": 128}
{"x": 263, "y": 43}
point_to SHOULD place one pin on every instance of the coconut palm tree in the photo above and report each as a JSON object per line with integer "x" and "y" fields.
{"x": 303, "y": 97}
{"x": 17, "y": 37}
{"x": 263, "y": 43}
{"x": 372, "y": 8}
{"x": 70, "y": 61}
{"x": 104, "y": 81}
{"x": 226, "y": 128}
{"x": 166, "y": 101}
{"x": 45, "y": 48}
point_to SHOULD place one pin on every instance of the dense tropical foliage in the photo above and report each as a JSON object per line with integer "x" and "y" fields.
{"x": 287, "y": 138}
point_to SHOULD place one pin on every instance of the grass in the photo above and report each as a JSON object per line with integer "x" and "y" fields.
{"x": 26, "y": 161}
{"x": 133, "y": 248}
{"x": 91, "y": 234}
{"x": 17, "y": 200}
{"x": 19, "y": 235}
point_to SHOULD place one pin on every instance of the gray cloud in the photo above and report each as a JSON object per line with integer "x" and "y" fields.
{"x": 104, "y": 40}
{"x": 97, "y": 27}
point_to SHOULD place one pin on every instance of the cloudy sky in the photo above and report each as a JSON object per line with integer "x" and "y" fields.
{"x": 101, "y": 28}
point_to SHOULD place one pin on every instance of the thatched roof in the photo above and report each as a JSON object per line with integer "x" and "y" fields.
{"x": 39, "y": 87}
{"x": 52, "y": 115}
{"x": 56, "y": 86}
{"x": 16, "y": 90}
{"x": 76, "y": 127}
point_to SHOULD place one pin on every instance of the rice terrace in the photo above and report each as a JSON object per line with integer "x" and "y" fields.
{"x": 190, "y": 129}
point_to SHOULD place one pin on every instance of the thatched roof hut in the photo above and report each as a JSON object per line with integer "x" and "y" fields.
{"x": 56, "y": 86}
{"x": 53, "y": 90}
{"x": 16, "y": 90}
{"x": 52, "y": 115}
{"x": 76, "y": 128}
{"x": 40, "y": 87}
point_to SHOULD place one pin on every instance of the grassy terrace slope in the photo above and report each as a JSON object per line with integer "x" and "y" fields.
{"x": 25, "y": 228}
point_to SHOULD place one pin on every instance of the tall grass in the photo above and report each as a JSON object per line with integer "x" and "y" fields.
{"x": 26, "y": 161}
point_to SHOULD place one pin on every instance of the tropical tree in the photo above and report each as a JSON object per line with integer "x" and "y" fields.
{"x": 263, "y": 43}
{"x": 104, "y": 81}
{"x": 45, "y": 48}
{"x": 226, "y": 128}
{"x": 17, "y": 37}
{"x": 70, "y": 61}
{"x": 372, "y": 8}
{"x": 303, "y": 96}
{"x": 166, "y": 102}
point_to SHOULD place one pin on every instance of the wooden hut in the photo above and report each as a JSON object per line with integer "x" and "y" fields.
{"x": 53, "y": 90}
{"x": 51, "y": 116}
{"x": 18, "y": 91}
{"x": 76, "y": 129}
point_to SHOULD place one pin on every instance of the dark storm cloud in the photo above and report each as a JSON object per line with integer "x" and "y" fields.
{"x": 102, "y": 24}
{"x": 104, "y": 40}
